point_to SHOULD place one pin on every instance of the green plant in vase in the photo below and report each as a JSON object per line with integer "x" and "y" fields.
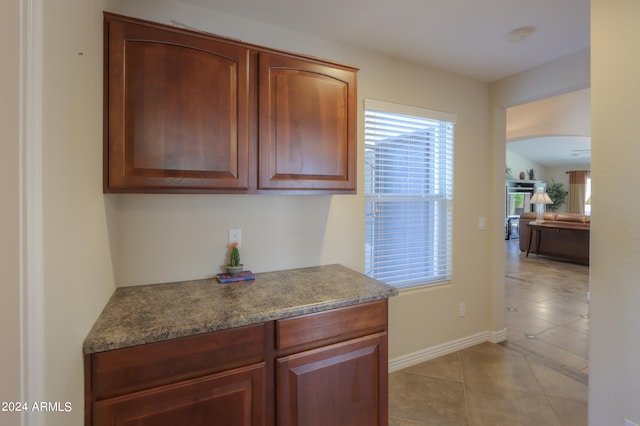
{"x": 234, "y": 267}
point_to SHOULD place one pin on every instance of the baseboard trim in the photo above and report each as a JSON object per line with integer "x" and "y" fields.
{"x": 498, "y": 336}
{"x": 404, "y": 361}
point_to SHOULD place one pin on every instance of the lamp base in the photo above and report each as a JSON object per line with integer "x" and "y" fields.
{"x": 539, "y": 213}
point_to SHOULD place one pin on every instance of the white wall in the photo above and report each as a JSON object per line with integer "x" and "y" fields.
{"x": 10, "y": 390}
{"x": 614, "y": 371}
{"x": 562, "y": 115}
{"x": 517, "y": 163}
{"x": 77, "y": 268}
{"x": 560, "y": 76}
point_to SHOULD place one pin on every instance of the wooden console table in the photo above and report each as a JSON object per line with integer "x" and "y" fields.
{"x": 540, "y": 228}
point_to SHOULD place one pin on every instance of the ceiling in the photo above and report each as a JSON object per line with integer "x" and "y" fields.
{"x": 466, "y": 37}
{"x": 552, "y": 151}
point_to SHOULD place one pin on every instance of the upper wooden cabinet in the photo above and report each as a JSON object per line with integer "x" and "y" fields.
{"x": 177, "y": 110}
{"x": 191, "y": 112}
{"x": 307, "y": 119}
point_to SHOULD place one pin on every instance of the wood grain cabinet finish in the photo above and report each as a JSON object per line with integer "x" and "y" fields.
{"x": 332, "y": 367}
{"x": 327, "y": 368}
{"x": 338, "y": 384}
{"x": 177, "y": 110}
{"x": 189, "y": 380}
{"x": 307, "y": 120}
{"x": 183, "y": 109}
{"x": 322, "y": 328}
{"x": 231, "y": 398}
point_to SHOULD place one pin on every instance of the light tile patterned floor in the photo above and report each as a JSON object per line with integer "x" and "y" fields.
{"x": 537, "y": 377}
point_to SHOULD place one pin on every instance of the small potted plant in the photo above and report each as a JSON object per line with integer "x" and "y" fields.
{"x": 234, "y": 267}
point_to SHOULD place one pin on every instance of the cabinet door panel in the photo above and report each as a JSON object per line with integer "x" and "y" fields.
{"x": 234, "y": 398}
{"x": 177, "y": 111}
{"x": 342, "y": 384}
{"x": 307, "y": 125}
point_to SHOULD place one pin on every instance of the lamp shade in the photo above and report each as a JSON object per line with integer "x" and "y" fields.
{"x": 541, "y": 198}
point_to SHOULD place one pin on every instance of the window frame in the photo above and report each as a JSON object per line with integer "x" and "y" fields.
{"x": 441, "y": 145}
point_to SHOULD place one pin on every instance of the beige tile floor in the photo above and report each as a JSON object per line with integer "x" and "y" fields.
{"x": 537, "y": 377}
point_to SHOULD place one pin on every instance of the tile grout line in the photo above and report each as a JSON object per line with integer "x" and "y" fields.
{"x": 573, "y": 373}
{"x": 464, "y": 389}
{"x": 544, "y": 393}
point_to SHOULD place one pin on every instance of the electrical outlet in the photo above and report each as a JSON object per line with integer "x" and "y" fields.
{"x": 462, "y": 310}
{"x": 482, "y": 223}
{"x": 235, "y": 236}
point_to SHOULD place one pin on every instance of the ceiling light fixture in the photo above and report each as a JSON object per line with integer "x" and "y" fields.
{"x": 520, "y": 34}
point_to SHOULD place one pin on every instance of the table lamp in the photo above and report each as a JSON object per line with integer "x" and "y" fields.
{"x": 540, "y": 199}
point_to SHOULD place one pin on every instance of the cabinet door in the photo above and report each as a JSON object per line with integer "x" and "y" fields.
{"x": 233, "y": 398}
{"x": 307, "y": 116}
{"x": 342, "y": 384}
{"x": 177, "y": 110}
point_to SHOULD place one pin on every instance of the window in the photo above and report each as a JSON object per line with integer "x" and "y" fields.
{"x": 408, "y": 194}
{"x": 587, "y": 196}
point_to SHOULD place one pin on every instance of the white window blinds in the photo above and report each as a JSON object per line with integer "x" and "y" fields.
{"x": 408, "y": 193}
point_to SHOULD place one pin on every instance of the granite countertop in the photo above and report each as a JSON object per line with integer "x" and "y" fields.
{"x": 151, "y": 313}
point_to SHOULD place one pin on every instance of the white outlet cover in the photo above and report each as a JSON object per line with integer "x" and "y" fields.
{"x": 462, "y": 310}
{"x": 235, "y": 236}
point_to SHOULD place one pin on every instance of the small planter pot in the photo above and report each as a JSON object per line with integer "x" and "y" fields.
{"x": 234, "y": 270}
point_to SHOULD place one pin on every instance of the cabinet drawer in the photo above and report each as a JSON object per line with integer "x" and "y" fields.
{"x": 140, "y": 367}
{"x": 322, "y": 328}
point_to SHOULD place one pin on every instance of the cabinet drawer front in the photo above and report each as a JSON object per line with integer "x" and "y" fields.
{"x": 332, "y": 326}
{"x": 140, "y": 367}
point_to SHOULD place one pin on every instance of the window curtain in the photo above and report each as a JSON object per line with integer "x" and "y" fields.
{"x": 577, "y": 191}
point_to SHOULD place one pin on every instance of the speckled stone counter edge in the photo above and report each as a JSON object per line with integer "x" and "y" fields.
{"x": 152, "y": 313}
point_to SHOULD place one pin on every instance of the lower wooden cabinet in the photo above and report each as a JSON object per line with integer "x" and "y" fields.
{"x": 232, "y": 398}
{"x": 342, "y": 384}
{"x": 327, "y": 368}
